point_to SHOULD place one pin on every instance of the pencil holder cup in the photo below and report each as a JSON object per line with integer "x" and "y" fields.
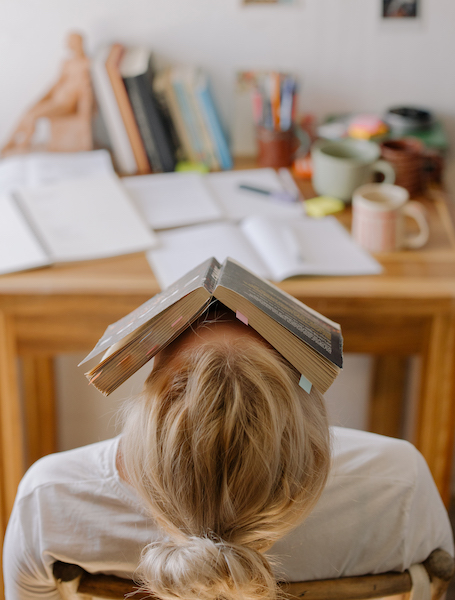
{"x": 279, "y": 148}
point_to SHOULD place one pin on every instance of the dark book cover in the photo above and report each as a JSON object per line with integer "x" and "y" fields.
{"x": 137, "y": 73}
{"x": 314, "y": 330}
{"x": 137, "y": 104}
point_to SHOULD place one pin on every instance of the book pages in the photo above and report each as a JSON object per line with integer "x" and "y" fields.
{"x": 173, "y": 199}
{"x": 307, "y": 247}
{"x": 85, "y": 218}
{"x": 19, "y": 248}
{"x": 239, "y": 204}
{"x": 182, "y": 249}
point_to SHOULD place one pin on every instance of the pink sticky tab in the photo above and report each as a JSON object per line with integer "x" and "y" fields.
{"x": 176, "y": 321}
{"x": 94, "y": 378}
{"x": 151, "y": 349}
{"x": 241, "y": 317}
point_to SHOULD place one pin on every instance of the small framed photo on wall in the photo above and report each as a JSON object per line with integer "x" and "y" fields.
{"x": 400, "y": 9}
{"x": 268, "y": 1}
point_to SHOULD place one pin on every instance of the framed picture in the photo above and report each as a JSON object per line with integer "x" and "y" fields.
{"x": 400, "y": 9}
{"x": 269, "y": 1}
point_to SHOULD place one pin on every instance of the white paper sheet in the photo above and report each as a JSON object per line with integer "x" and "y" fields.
{"x": 173, "y": 199}
{"x": 182, "y": 249}
{"x": 85, "y": 218}
{"x": 239, "y": 204}
{"x": 49, "y": 167}
{"x": 19, "y": 248}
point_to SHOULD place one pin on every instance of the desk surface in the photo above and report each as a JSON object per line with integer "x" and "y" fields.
{"x": 409, "y": 309}
{"x": 426, "y": 273}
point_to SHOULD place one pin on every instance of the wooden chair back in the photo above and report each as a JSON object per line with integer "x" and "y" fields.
{"x": 76, "y": 584}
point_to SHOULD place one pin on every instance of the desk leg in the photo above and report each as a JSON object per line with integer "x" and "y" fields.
{"x": 40, "y": 422}
{"x": 436, "y": 410}
{"x": 387, "y": 397}
{"x": 11, "y": 431}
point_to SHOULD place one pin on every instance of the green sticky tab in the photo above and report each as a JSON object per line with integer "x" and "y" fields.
{"x": 191, "y": 167}
{"x": 305, "y": 384}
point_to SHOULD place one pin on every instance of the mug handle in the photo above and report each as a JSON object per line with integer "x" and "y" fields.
{"x": 415, "y": 211}
{"x": 384, "y": 167}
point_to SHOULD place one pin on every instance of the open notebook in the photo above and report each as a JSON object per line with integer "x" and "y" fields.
{"x": 69, "y": 220}
{"x": 177, "y": 199}
{"x": 274, "y": 248}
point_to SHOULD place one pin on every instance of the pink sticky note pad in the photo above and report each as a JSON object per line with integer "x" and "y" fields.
{"x": 241, "y": 317}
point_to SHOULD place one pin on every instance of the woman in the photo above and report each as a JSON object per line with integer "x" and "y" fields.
{"x": 205, "y": 492}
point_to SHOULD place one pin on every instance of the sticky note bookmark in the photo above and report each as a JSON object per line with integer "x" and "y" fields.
{"x": 305, "y": 384}
{"x": 241, "y": 317}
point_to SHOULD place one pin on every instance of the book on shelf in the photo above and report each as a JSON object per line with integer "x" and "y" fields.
{"x": 275, "y": 248}
{"x": 199, "y": 118}
{"x": 178, "y": 80}
{"x": 210, "y": 116}
{"x": 188, "y": 76}
{"x": 83, "y": 218}
{"x": 107, "y": 102}
{"x": 113, "y": 59}
{"x": 137, "y": 73}
{"x": 309, "y": 341}
{"x": 165, "y": 94}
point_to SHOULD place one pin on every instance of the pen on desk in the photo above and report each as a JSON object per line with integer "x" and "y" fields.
{"x": 281, "y": 196}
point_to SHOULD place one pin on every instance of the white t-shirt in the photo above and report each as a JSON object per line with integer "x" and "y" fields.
{"x": 379, "y": 511}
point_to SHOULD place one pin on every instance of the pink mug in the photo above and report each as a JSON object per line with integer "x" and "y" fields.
{"x": 378, "y": 218}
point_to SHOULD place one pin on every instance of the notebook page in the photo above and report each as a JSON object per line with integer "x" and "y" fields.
{"x": 85, "y": 218}
{"x": 19, "y": 248}
{"x": 173, "y": 199}
{"x": 308, "y": 247}
{"x": 14, "y": 172}
{"x": 182, "y": 249}
{"x": 239, "y": 204}
{"x": 50, "y": 167}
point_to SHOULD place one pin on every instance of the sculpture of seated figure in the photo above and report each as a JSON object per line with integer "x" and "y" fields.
{"x": 68, "y": 105}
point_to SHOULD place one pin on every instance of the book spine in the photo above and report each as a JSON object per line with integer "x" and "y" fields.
{"x": 112, "y": 67}
{"x": 163, "y": 83}
{"x": 210, "y": 155}
{"x": 170, "y": 125}
{"x": 214, "y": 126}
{"x": 121, "y": 146}
{"x": 162, "y": 137}
{"x": 140, "y": 113}
{"x": 188, "y": 117}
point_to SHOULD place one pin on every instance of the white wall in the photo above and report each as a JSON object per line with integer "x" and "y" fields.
{"x": 347, "y": 58}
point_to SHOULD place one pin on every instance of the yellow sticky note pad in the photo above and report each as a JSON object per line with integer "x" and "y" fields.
{"x": 323, "y": 205}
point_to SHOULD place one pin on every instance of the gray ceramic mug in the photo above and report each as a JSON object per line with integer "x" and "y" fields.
{"x": 341, "y": 166}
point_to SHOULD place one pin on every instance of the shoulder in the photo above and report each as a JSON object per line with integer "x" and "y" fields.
{"x": 92, "y": 462}
{"x": 360, "y": 453}
{"x": 380, "y": 511}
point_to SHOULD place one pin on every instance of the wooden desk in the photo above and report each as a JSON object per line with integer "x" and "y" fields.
{"x": 408, "y": 310}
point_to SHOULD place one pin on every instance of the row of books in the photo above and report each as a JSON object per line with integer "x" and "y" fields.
{"x": 156, "y": 118}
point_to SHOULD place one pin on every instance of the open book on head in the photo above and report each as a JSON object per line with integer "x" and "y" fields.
{"x": 274, "y": 248}
{"x": 309, "y": 341}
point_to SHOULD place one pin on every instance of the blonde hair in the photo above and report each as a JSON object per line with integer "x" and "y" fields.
{"x": 228, "y": 453}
